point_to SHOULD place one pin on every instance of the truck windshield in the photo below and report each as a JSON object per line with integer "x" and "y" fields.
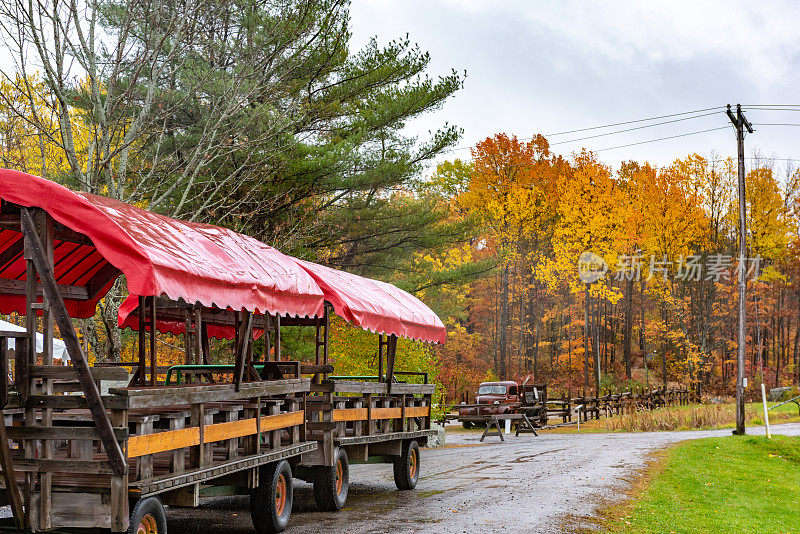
{"x": 495, "y": 389}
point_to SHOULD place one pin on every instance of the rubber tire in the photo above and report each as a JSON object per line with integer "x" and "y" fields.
{"x": 148, "y": 506}
{"x": 403, "y": 478}
{"x": 263, "y": 512}
{"x": 325, "y": 495}
{"x": 467, "y": 425}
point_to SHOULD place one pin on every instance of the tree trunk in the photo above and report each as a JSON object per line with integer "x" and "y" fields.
{"x": 504, "y": 320}
{"x": 796, "y": 342}
{"x": 641, "y": 318}
{"x": 109, "y": 308}
{"x": 586, "y": 339}
{"x": 626, "y": 342}
{"x": 597, "y": 348}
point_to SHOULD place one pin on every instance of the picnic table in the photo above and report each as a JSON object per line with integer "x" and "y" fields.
{"x": 524, "y": 425}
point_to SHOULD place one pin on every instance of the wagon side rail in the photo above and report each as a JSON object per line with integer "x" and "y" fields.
{"x": 351, "y": 412}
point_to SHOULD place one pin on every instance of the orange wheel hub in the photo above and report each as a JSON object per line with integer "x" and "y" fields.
{"x": 339, "y": 477}
{"x": 280, "y": 495}
{"x": 412, "y": 462}
{"x": 147, "y": 525}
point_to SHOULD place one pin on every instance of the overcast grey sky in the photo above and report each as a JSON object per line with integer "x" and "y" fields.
{"x": 549, "y": 66}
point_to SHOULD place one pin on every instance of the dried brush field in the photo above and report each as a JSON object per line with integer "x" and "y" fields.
{"x": 693, "y": 417}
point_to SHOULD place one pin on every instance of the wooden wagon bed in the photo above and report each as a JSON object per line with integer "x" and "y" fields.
{"x": 73, "y": 457}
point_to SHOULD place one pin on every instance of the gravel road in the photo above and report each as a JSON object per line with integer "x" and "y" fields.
{"x": 525, "y": 484}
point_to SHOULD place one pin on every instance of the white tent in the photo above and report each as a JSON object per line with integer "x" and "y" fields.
{"x": 59, "y": 347}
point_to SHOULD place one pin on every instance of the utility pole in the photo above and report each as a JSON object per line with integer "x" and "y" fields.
{"x": 740, "y": 123}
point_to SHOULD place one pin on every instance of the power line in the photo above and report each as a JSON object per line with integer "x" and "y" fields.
{"x": 635, "y": 121}
{"x": 695, "y": 114}
{"x": 663, "y": 138}
{"x": 773, "y": 109}
{"x": 603, "y": 126}
{"x": 631, "y": 129}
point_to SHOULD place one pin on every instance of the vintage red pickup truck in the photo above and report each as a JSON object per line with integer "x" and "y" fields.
{"x": 505, "y": 397}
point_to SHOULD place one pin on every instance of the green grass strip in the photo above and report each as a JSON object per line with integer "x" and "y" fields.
{"x": 728, "y": 484}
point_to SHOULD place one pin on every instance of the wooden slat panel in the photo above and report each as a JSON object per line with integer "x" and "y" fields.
{"x": 386, "y": 413}
{"x": 72, "y": 402}
{"x": 42, "y": 465}
{"x": 230, "y": 430}
{"x": 60, "y": 432}
{"x": 13, "y": 333}
{"x": 17, "y": 287}
{"x": 69, "y": 372}
{"x": 350, "y": 414}
{"x": 418, "y": 411}
{"x": 308, "y": 369}
{"x": 173, "y": 395}
{"x": 283, "y": 420}
{"x": 352, "y": 386}
{"x": 189, "y": 437}
{"x": 360, "y": 414}
{"x": 163, "y": 441}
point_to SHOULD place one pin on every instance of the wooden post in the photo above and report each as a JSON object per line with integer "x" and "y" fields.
{"x": 139, "y": 379}
{"x": 251, "y": 373}
{"x": 45, "y": 224}
{"x": 12, "y": 490}
{"x": 153, "y": 351}
{"x": 277, "y": 338}
{"x": 197, "y": 419}
{"x": 326, "y": 337}
{"x": 178, "y": 460}
{"x": 70, "y": 338}
{"x": 204, "y": 342}
{"x": 317, "y": 345}
{"x": 740, "y": 123}
{"x": 200, "y": 332}
{"x": 328, "y": 449}
{"x": 390, "y": 354}
{"x": 402, "y": 413}
{"x": 245, "y": 332}
{"x": 120, "y": 515}
{"x": 267, "y": 337}
{"x": 370, "y": 422}
{"x": 188, "y": 338}
{"x": 3, "y": 371}
{"x": 381, "y": 344}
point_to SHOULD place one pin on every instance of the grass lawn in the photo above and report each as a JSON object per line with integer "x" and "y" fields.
{"x": 729, "y": 484}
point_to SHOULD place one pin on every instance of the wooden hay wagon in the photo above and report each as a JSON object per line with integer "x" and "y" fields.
{"x": 377, "y": 419}
{"x": 73, "y": 457}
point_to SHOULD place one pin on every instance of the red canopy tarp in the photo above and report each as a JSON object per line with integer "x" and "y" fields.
{"x": 197, "y": 263}
{"x": 377, "y": 306}
{"x": 128, "y": 317}
{"x": 158, "y": 255}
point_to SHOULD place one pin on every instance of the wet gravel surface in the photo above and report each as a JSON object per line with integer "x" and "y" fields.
{"x": 524, "y": 484}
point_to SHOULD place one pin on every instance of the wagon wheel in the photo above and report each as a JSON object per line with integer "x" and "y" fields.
{"x": 406, "y": 466}
{"x": 271, "y": 501}
{"x": 148, "y": 517}
{"x": 331, "y": 484}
